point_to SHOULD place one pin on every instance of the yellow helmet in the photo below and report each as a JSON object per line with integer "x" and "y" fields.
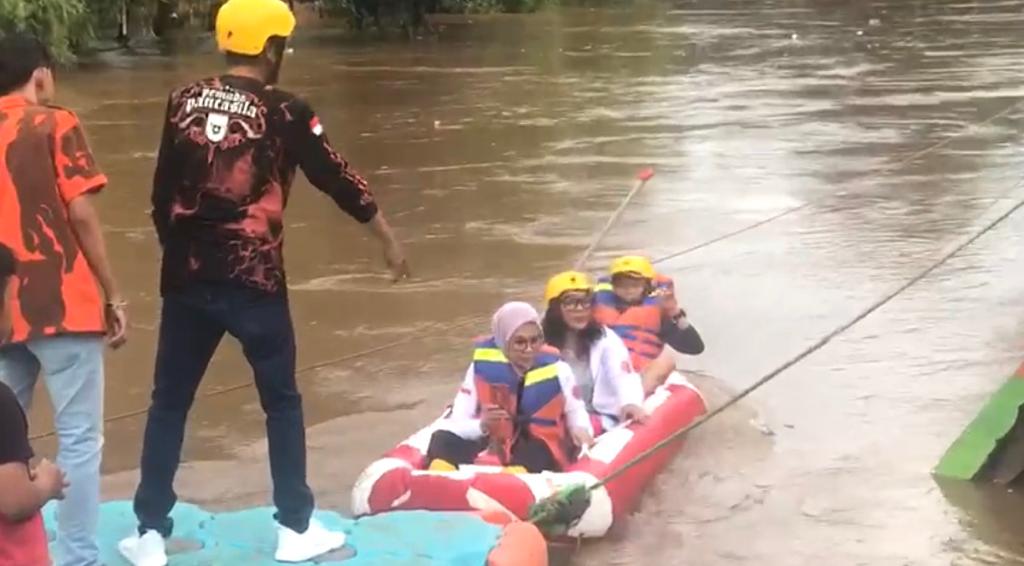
{"x": 633, "y": 265}
{"x": 566, "y": 281}
{"x": 244, "y": 26}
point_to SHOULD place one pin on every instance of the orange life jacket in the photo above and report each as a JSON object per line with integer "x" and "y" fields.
{"x": 637, "y": 325}
{"x": 540, "y": 406}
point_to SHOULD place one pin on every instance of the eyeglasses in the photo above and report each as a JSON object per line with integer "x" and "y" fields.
{"x": 523, "y": 344}
{"x": 578, "y": 303}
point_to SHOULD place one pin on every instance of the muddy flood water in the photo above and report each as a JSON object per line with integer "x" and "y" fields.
{"x": 502, "y": 145}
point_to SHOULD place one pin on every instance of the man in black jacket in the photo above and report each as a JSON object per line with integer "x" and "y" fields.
{"x": 230, "y": 149}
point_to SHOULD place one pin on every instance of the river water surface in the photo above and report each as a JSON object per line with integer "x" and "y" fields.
{"x": 501, "y": 146}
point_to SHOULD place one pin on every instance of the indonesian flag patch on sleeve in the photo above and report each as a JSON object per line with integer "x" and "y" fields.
{"x": 315, "y": 127}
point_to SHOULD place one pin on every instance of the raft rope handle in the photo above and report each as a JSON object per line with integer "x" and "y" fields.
{"x": 822, "y": 342}
{"x": 477, "y": 320}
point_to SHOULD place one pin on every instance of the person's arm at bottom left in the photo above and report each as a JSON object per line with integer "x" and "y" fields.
{"x": 24, "y": 490}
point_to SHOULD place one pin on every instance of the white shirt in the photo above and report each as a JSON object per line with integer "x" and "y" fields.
{"x": 464, "y": 419}
{"x": 616, "y": 383}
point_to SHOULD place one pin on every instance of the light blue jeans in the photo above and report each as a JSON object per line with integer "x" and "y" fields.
{"x": 72, "y": 367}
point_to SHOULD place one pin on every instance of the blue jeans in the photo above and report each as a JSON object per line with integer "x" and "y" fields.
{"x": 192, "y": 324}
{"x": 72, "y": 367}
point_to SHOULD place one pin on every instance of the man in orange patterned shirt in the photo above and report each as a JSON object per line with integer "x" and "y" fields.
{"x": 48, "y": 180}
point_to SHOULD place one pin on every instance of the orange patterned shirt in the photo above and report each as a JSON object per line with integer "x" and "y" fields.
{"x": 45, "y": 163}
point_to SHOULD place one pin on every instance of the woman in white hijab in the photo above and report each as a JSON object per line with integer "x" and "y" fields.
{"x": 519, "y": 401}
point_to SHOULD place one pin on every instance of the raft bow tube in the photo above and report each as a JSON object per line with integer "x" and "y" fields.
{"x": 400, "y": 480}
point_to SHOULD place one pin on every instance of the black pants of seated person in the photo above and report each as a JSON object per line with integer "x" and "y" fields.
{"x": 528, "y": 452}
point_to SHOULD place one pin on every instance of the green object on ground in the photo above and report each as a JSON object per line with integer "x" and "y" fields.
{"x": 968, "y": 455}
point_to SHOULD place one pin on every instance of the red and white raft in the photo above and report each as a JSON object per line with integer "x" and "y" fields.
{"x": 399, "y": 480}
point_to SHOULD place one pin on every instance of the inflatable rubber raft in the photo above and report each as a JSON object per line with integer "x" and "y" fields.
{"x": 399, "y": 480}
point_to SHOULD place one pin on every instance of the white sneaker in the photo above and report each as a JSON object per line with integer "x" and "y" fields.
{"x": 301, "y": 547}
{"x": 146, "y": 550}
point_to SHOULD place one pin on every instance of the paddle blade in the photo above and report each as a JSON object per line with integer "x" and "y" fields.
{"x": 645, "y": 174}
{"x": 555, "y": 515}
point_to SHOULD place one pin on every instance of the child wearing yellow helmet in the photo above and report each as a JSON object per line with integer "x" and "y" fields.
{"x": 600, "y": 362}
{"x": 640, "y": 306}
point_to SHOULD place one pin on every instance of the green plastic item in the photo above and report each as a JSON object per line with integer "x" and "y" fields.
{"x": 556, "y": 514}
{"x": 969, "y": 453}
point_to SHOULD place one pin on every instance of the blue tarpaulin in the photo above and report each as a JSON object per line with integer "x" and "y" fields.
{"x": 248, "y": 537}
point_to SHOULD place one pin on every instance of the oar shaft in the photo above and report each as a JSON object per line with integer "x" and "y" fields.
{"x": 641, "y": 180}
